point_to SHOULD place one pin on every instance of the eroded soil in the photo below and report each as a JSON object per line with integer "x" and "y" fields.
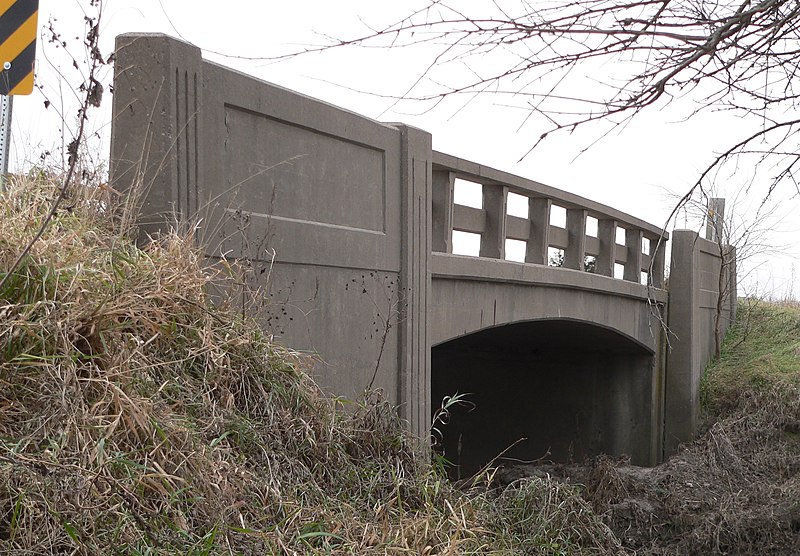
{"x": 735, "y": 490}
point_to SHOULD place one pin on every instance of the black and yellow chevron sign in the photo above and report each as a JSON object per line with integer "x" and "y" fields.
{"x": 18, "y": 33}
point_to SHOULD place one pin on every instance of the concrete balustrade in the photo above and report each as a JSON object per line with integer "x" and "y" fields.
{"x": 495, "y": 225}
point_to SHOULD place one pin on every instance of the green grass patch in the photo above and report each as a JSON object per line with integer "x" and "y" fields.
{"x": 760, "y": 359}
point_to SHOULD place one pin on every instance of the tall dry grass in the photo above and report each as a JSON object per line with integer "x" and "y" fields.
{"x": 137, "y": 418}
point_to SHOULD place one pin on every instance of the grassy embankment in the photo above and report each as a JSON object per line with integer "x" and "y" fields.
{"x": 136, "y": 418}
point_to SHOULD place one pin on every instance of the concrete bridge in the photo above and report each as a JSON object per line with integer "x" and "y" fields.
{"x": 347, "y": 226}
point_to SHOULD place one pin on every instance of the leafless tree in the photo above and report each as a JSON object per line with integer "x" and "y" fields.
{"x": 739, "y": 235}
{"x": 624, "y": 56}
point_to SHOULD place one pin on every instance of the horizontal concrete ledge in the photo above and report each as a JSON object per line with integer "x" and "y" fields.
{"x": 487, "y": 175}
{"x": 461, "y": 267}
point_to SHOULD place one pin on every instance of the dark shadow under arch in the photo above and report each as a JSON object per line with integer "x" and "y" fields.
{"x": 556, "y": 389}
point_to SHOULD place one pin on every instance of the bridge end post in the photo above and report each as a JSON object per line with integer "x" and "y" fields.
{"x": 683, "y": 366}
{"x": 414, "y": 362}
{"x": 156, "y": 148}
{"x": 715, "y": 220}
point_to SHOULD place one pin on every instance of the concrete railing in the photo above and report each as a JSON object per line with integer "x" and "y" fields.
{"x": 641, "y": 256}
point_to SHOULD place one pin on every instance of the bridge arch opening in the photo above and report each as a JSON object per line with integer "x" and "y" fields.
{"x": 558, "y": 390}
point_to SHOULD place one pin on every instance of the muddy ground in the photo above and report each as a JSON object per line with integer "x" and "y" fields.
{"x": 735, "y": 490}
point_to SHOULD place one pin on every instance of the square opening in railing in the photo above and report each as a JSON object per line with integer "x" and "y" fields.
{"x": 591, "y": 226}
{"x": 620, "y": 239}
{"x": 644, "y": 279}
{"x": 555, "y": 256}
{"x": 558, "y": 216}
{"x": 517, "y": 205}
{"x": 515, "y": 250}
{"x": 590, "y": 263}
{"x": 645, "y": 246}
{"x": 468, "y": 193}
{"x": 466, "y": 243}
{"x": 619, "y": 271}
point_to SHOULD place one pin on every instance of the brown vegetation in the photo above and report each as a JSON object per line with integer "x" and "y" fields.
{"x": 138, "y": 418}
{"x": 736, "y": 488}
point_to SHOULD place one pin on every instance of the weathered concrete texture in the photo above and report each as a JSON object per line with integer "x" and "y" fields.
{"x": 700, "y": 270}
{"x": 330, "y": 208}
{"x": 560, "y": 390}
{"x": 414, "y": 363}
{"x": 156, "y": 149}
{"x": 472, "y": 294}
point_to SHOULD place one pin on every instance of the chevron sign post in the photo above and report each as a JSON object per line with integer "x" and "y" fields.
{"x": 18, "y": 31}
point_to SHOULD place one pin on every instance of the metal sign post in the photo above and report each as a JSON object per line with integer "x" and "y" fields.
{"x": 6, "y": 103}
{"x": 18, "y": 31}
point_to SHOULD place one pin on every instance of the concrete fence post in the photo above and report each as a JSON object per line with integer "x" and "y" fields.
{"x": 414, "y": 350}
{"x": 657, "y": 250}
{"x": 156, "y": 151}
{"x": 442, "y": 217}
{"x": 493, "y": 239}
{"x": 633, "y": 263}
{"x": 607, "y": 236}
{"x": 575, "y": 252}
{"x": 683, "y": 368}
{"x": 539, "y": 240}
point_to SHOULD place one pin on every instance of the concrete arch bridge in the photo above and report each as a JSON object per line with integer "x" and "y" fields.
{"x": 348, "y": 224}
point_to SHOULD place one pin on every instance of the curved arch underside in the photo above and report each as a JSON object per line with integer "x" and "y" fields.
{"x": 563, "y": 333}
{"x": 561, "y": 390}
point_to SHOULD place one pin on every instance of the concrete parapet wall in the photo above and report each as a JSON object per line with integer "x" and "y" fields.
{"x": 329, "y": 208}
{"x": 702, "y": 282}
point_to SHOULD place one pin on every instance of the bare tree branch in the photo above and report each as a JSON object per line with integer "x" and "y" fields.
{"x": 740, "y": 56}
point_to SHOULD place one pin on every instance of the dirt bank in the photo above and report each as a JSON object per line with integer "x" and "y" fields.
{"x": 736, "y": 488}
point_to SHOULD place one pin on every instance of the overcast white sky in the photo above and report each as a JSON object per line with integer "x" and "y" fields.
{"x": 632, "y": 170}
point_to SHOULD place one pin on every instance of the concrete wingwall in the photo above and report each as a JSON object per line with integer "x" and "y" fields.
{"x": 341, "y": 250}
{"x": 702, "y": 283}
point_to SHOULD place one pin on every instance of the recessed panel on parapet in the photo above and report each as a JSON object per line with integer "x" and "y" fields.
{"x": 288, "y": 171}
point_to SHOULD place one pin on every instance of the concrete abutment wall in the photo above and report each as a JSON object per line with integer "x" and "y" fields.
{"x": 702, "y": 285}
